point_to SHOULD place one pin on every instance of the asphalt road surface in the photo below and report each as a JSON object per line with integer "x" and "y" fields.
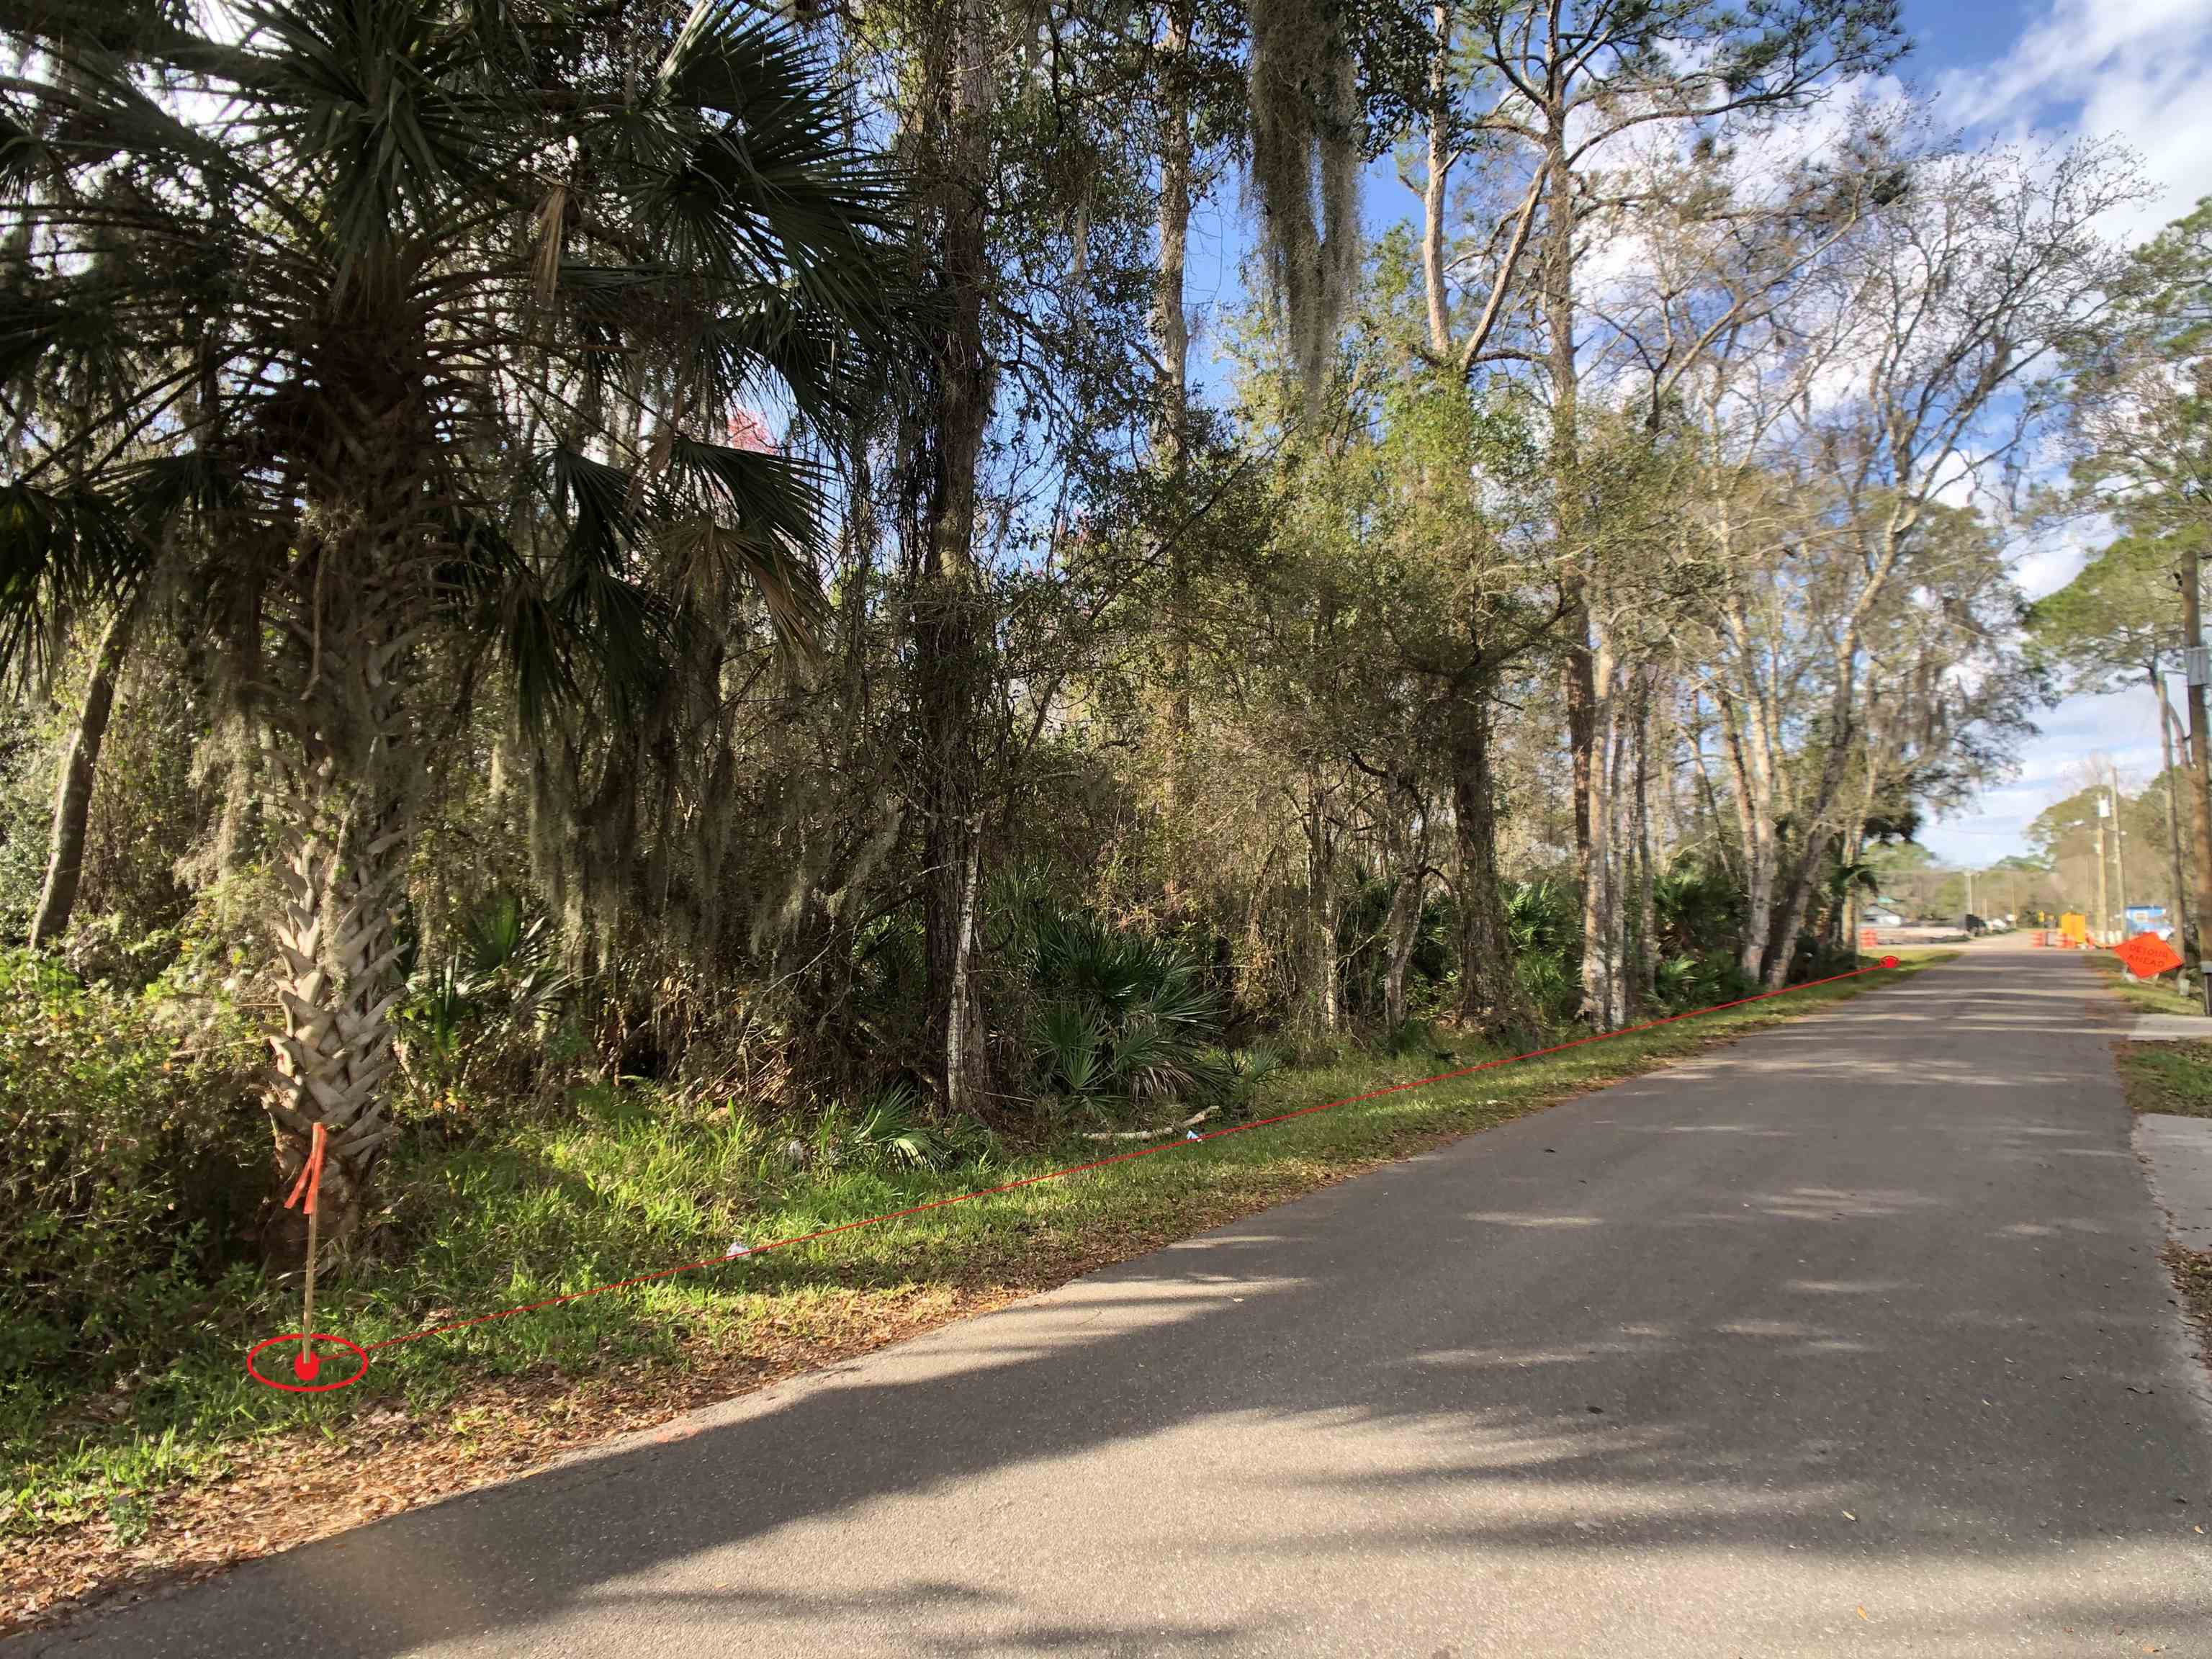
{"x": 1850, "y": 1338}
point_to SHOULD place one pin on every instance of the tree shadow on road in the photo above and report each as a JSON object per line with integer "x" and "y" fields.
{"x": 1680, "y": 1348}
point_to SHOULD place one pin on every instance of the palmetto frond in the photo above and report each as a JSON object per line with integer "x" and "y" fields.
{"x": 1128, "y": 1016}
{"x": 412, "y": 325}
{"x": 60, "y": 550}
{"x": 422, "y": 160}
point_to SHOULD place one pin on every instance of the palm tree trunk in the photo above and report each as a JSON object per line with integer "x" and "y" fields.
{"x": 342, "y": 858}
{"x": 350, "y": 777}
{"x": 80, "y": 768}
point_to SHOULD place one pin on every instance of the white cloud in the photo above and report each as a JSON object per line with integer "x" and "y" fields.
{"x": 2121, "y": 725}
{"x": 2045, "y": 562}
{"x": 2141, "y": 71}
{"x": 2135, "y": 69}
{"x": 2047, "y": 569}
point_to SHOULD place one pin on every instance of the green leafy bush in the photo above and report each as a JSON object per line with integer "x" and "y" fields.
{"x": 132, "y": 1160}
{"x": 1701, "y": 981}
{"x": 1120, "y": 1018}
{"x": 888, "y": 1127}
{"x": 1543, "y": 920}
{"x": 484, "y": 1021}
{"x": 1233, "y": 1075}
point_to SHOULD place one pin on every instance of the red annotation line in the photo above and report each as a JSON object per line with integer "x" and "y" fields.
{"x": 1102, "y": 1163}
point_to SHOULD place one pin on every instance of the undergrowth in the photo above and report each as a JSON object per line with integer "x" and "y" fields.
{"x": 630, "y": 1184}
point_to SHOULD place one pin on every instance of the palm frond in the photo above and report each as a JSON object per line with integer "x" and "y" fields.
{"x": 384, "y": 99}
{"x": 60, "y": 550}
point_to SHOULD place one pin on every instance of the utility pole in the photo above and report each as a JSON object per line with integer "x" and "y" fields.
{"x": 2119, "y": 846}
{"x": 2184, "y": 928}
{"x": 2104, "y": 909}
{"x": 2200, "y": 762}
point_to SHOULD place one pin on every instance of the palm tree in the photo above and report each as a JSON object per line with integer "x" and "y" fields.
{"x": 403, "y": 323}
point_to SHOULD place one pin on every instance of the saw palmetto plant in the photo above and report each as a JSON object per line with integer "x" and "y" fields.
{"x": 1127, "y": 1018}
{"x": 410, "y": 329}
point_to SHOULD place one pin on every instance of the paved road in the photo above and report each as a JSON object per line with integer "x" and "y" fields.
{"x": 1851, "y": 1338}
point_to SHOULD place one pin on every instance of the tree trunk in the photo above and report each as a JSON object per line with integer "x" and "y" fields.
{"x": 1582, "y": 671}
{"x": 349, "y": 770}
{"x": 1328, "y": 992}
{"x": 1790, "y": 918}
{"x": 1324, "y": 997}
{"x": 1171, "y": 333}
{"x": 1643, "y": 961}
{"x": 1558, "y": 302}
{"x": 1750, "y": 730}
{"x": 1601, "y": 886}
{"x": 1434, "y": 187}
{"x": 1611, "y": 849}
{"x": 2200, "y": 764}
{"x": 951, "y": 631}
{"x": 1405, "y": 930}
{"x": 344, "y": 843}
{"x": 1711, "y": 797}
{"x": 1843, "y": 704}
{"x": 1489, "y": 994}
{"x": 80, "y": 768}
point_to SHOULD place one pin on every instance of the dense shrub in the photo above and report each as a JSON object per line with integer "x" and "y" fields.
{"x": 490, "y": 1017}
{"x": 1122, "y": 1016}
{"x": 1699, "y": 910}
{"x": 1700, "y": 980}
{"x": 1543, "y": 920}
{"x": 1365, "y": 945}
{"x": 132, "y": 1158}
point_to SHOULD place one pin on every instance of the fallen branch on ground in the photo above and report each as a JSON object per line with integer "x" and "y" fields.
{"x": 1152, "y": 1135}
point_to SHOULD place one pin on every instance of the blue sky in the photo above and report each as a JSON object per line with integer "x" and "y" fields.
{"x": 2034, "y": 71}
{"x": 2043, "y": 70}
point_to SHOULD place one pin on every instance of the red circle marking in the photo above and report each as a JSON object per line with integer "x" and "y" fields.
{"x": 1889, "y": 962}
{"x": 359, "y": 1371}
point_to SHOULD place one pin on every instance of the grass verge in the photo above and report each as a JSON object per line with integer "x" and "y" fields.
{"x": 164, "y": 1477}
{"x": 2147, "y": 996}
{"x": 2167, "y": 1077}
{"x": 2174, "y": 1077}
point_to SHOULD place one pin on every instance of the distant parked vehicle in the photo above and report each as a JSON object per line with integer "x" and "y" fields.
{"x": 1884, "y": 919}
{"x": 1974, "y": 925}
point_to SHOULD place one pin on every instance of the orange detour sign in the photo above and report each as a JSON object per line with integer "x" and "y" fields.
{"x": 2146, "y": 955}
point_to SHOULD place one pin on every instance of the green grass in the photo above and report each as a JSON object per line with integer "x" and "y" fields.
{"x": 2161, "y": 1077}
{"x": 2149, "y": 996}
{"x": 2168, "y": 1077}
{"x": 628, "y": 1187}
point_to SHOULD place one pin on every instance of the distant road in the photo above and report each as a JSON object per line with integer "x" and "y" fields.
{"x": 1851, "y": 1338}
{"x": 1915, "y": 933}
